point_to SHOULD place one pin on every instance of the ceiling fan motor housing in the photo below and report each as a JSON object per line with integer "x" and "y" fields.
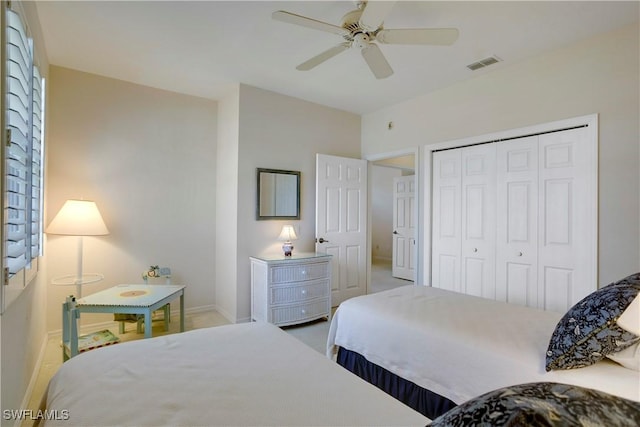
{"x": 358, "y": 35}
{"x": 361, "y": 40}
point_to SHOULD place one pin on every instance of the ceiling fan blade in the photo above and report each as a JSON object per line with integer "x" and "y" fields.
{"x": 433, "y": 36}
{"x": 319, "y": 59}
{"x": 376, "y": 61}
{"x": 303, "y": 21}
{"x": 374, "y": 13}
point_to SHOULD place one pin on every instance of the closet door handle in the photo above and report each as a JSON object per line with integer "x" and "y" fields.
{"x": 475, "y": 249}
{"x": 519, "y": 253}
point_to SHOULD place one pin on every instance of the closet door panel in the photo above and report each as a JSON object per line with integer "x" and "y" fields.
{"x": 519, "y": 223}
{"x": 446, "y": 237}
{"x": 517, "y": 212}
{"x": 564, "y": 233}
{"x": 478, "y": 220}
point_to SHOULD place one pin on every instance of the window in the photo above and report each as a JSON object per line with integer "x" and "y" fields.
{"x": 22, "y": 151}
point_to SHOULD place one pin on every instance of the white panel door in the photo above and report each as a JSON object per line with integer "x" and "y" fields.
{"x": 478, "y": 166}
{"x": 540, "y": 221}
{"x": 341, "y": 229}
{"x": 446, "y": 234}
{"x": 404, "y": 228}
{"x": 517, "y": 221}
{"x": 564, "y": 234}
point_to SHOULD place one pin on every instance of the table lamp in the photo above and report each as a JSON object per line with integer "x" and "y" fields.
{"x": 78, "y": 218}
{"x": 287, "y": 234}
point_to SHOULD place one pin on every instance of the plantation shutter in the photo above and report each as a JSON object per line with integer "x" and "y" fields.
{"x": 37, "y": 165}
{"x": 23, "y": 154}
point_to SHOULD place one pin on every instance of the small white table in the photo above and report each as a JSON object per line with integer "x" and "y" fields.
{"x": 134, "y": 299}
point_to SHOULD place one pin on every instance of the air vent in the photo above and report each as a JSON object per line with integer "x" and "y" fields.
{"x": 483, "y": 63}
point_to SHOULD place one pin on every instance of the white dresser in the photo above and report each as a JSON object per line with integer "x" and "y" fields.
{"x": 290, "y": 290}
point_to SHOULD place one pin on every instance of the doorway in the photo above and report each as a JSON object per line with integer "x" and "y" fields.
{"x": 387, "y": 249}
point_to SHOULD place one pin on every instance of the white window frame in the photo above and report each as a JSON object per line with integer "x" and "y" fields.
{"x": 22, "y": 165}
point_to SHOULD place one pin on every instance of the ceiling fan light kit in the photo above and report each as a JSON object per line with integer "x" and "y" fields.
{"x": 362, "y": 27}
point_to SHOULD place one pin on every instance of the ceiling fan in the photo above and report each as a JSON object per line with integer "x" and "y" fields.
{"x": 360, "y": 28}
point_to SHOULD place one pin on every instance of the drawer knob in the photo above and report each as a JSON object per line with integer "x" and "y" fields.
{"x": 304, "y": 292}
{"x": 303, "y": 311}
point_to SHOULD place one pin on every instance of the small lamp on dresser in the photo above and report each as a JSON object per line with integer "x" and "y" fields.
{"x": 287, "y": 234}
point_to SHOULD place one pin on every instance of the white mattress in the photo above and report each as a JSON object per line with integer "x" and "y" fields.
{"x": 246, "y": 374}
{"x": 461, "y": 346}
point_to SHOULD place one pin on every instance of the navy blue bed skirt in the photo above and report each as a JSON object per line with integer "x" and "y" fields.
{"x": 422, "y": 400}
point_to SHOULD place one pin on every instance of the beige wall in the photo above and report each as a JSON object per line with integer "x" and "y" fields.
{"x": 600, "y": 75}
{"x": 227, "y": 204}
{"x": 148, "y": 159}
{"x": 279, "y": 132}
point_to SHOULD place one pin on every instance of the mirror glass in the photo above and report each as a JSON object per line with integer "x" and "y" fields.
{"x": 278, "y": 194}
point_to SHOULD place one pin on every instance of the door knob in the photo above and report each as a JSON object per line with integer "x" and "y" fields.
{"x": 395, "y": 232}
{"x": 321, "y": 240}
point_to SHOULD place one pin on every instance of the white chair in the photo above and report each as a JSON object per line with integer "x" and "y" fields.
{"x": 153, "y": 274}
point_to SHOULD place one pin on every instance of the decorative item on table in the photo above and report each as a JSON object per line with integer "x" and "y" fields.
{"x": 78, "y": 218}
{"x": 287, "y": 234}
{"x": 155, "y": 271}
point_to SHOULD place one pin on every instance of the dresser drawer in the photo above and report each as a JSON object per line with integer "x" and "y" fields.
{"x": 298, "y": 273}
{"x": 298, "y": 313}
{"x": 292, "y": 290}
{"x": 297, "y": 293}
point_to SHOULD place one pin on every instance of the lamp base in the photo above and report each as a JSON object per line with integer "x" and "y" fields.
{"x": 287, "y": 247}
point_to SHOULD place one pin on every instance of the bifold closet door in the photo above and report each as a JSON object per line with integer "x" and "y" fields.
{"x": 446, "y": 214}
{"x": 517, "y": 222}
{"x": 478, "y": 249}
{"x": 463, "y": 245}
{"x": 564, "y": 231}
{"x": 513, "y": 220}
{"x": 543, "y": 235}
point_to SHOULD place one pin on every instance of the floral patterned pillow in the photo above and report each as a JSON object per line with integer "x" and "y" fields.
{"x": 588, "y": 332}
{"x": 542, "y": 404}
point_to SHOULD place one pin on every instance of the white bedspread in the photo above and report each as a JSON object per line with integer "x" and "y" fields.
{"x": 461, "y": 346}
{"x": 247, "y": 374}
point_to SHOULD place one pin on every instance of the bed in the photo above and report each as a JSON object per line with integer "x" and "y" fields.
{"x": 434, "y": 349}
{"x": 245, "y": 374}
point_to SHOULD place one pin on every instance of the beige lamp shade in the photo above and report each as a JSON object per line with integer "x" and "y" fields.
{"x": 288, "y": 233}
{"x": 78, "y": 218}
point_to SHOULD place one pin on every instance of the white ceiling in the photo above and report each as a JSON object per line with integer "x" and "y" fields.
{"x": 203, "y": 47}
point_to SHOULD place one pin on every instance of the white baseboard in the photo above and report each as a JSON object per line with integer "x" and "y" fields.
{"x": 201, "y": 309}
{"x": 244, "y": 320}
{"x": 225, "y": 314}
{"x": 34, "y": 378}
